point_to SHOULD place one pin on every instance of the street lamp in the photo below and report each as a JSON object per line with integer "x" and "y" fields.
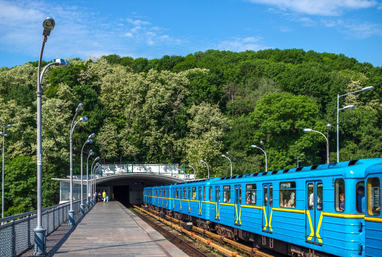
{"x": 266, "y": 159}
{"x": 3, "y": 178}
{"x": 225, "y": 156}
{"x": 87, "y": 178}
{"x": 39, "y": 231}
{"x": 208, "y": 168}
{"x": 191, "y": 166}
{"x": 92, "y": 172}
{"x": 79, "y": 108}
{"x": 326, "y": 138}
{"x": 298, "y": 159}
{"x": 95, "y": 176}
{"x": 88, "y": 141}
{"x": 345, "y": 108}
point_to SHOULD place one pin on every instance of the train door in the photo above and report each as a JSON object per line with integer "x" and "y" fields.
{"x": 238, "y": 205}
{"x": 373, "y": 217}
{"x": 200, "y": 198}
{"x": 216, "y": 208}
{"x": 314, "y": 205}
{"x": 267, "y": 206}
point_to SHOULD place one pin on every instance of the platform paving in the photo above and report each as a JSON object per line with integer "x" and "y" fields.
{"x": 109, "y": 229}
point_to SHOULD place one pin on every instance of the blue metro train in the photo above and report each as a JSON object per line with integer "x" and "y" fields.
{"x": 320, "y": 210}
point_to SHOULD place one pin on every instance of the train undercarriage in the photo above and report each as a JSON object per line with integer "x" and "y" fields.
{"x": 258, "y": 241}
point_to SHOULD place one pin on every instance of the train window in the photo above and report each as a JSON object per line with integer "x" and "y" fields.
{"x": 288, "y": 194}
{"x": 320, "y": 196}
{"x": 194, "y": 193}
{"x": 339, "y": 195}
{"x": 210, "y": 194}
{"x": 200, "y": 193}
{"x": 227, "y": 194}
{"x": 373, "y": 197}
{"x": 217, "y": 194}
{"x": 360, "y": 196}
{"x": 189, "y": 193}
{"x": 270, "y": 195}
{"x": 204, "y": 193}
{"x": 177, "y": 193}
{"x": 184, "y": 192}
{"x": 250, "y": 194}
{"x": 265, "y": 195}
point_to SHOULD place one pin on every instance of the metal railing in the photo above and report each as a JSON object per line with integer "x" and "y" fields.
{"x": 16, "y": 232}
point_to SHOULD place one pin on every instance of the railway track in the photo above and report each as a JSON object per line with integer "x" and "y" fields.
{"x": 246, "y": 251}
{"x": 176, "y": 240}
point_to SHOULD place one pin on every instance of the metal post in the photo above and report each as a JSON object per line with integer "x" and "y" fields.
{"x": 87, "y": 179}
{"x": 71, "y": 211}
{"x": 338, "y": 128}
{"x": 39, "y": 231}
{"x": 2, "y": 188}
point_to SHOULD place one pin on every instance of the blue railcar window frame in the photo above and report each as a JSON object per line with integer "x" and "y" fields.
{"x": 288, "y": 197}
{"x": 226, "y": 194}
{"x": 374, "y": 196}
{"x": 339, "y": 195}
{"x": 250, "y": 194}
{"x": 217, "y": 194}
{"x": 360, "y": 196}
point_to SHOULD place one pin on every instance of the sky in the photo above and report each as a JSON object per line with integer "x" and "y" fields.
{"x": 154, "y": 28}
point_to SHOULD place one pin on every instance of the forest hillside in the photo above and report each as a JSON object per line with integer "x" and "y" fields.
{"x": 182, "y": 109}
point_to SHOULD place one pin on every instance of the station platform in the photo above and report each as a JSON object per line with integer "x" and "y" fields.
{"x": 109, "y": 229}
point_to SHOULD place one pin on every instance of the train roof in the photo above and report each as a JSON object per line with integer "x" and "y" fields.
{"x": 358, "y": 169}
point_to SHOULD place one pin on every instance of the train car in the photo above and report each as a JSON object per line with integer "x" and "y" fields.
{"x": 373, "y": 218}
{"x": 307, "y": 210}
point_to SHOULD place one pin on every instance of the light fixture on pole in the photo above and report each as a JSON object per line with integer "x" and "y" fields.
{"x": 327, "y": 141}
{"x": 265, "y": 153}
{"x": 2, "y": 168}
{"x": 298, "y": 159}
{"x": 87, "y": 179}
{"x": 79, "y": 108}
{"x": 92, "y": 173}
{"x": 191, "y": 166}
{"x": 225, "y": 156}
{"x": 208, "y": 167}
{"x": 345, "y": 108}
{"x": 39, "y": 231}
{"x": 88, "y": 141}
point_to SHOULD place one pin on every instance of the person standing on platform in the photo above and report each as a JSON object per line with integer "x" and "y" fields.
{"x": 104, "y": 196}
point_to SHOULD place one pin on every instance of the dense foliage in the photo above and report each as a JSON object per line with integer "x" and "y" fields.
{"x": 182, "y": 109}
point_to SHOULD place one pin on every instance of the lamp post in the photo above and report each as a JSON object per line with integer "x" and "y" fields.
{"x": 345, "y": 108}
{"x": 39, "y": 231}
{"x": 88, "y": 141}
{"x": 92, "y": 172}
{"x": 266, "y": 159}
{"x": 326, "y": 138}
{"x": 2, "y": 168}
{"x": 298, "y": 159}
{"x": 79, "y": 108}
{"x": 87, "y": 179}
{"x": 191, "y": 166}
{"x": 225, "y": 156}
{"x": 208, "y": 168}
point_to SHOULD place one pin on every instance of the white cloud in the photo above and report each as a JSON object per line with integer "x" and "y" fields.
{"x": 354, "y": 29}
{"x": 241, "y": 44}
{"x": 318, "y": 7}
{"x": 138, "y": 22}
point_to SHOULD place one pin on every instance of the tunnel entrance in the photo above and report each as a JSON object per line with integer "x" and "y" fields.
{"x": 121, "y": 194}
